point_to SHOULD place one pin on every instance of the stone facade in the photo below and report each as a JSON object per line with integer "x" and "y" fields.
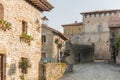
{"x": 74, "y": 32}
{"x": 16, "y": 11}
{"x": 95, "y": 31}
{"x": 55, "y": 71}
{"x": 50, "y": 47}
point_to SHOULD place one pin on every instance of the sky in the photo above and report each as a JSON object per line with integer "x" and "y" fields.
{"x": 68, "y": 11}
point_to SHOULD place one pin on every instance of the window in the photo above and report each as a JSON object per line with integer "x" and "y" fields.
{"x": 100, "y": 28}
{"x": 94, "y": 15}
{"x": 43, "y": 56}
{"x": 43, "y": 38}
{"x": 24, "y": 27}
{"x": 1, "y": 11}
{"x": 77, "y": 39}
{"x": 85, "y": 16}
{"x": 104, "y": 14}
{"x": 24, "y": 62}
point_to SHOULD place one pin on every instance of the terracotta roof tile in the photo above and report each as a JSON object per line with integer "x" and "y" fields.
{"x": 55, "y": 31}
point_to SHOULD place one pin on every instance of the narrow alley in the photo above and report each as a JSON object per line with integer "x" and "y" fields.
{"x": 94, "y": 71}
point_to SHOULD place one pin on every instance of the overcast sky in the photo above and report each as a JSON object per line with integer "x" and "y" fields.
{"x": 68, "y": 11}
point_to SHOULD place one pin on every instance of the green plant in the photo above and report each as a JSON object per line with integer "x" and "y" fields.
{"x": 26, "y": 38}
{"x": 59, "y": 45}
{"x": 24, "y": 64}
{"x": 57, "y": 41}
{"x": 22, "y": 77}
{"x": 117, "y": 43}
{"x": 25, "y": 35}
{"x": 12, "y": 69}
{"x": 5, "y": 24}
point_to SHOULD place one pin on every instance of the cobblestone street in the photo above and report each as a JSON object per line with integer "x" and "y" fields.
{"x": 94, "y": 71}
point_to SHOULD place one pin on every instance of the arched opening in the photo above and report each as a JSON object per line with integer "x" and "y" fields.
{"x": 1, "y": 11}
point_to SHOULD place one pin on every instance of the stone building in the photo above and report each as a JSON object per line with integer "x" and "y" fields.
{"x": 95, "y": 31}
{"x": 51, "y": 39}
{"x": 114, "y": 26}
{"x": 74, "y": 32}
{"x": 20, "y": 38}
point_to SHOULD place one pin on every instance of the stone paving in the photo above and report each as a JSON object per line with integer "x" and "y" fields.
{"x": 94, "y": 71}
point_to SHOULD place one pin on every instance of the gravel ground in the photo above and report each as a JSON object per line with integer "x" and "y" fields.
{"x": 94, "y": 71}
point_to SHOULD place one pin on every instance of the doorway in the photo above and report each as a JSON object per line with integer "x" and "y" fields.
{"x": 2, "y": 66}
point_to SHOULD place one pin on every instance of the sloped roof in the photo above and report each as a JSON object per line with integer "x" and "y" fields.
{"x": 73, "y": 24}
{"x": 101, "y": 11}
{"x": 41, "y": 5}
{"x": 55, "y": 31}
{"x": 114, "y": 22}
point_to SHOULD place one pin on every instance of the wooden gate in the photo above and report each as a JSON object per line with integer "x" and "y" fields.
{"x": 42, "y": 72}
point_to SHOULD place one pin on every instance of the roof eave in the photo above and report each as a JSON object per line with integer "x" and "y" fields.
{"x": 55, "y": 31}
{"x": 41, "y": 5}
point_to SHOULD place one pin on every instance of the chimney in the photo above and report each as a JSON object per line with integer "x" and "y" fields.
{"x": 45, "y": 20}
{"x": 75, "y": 21}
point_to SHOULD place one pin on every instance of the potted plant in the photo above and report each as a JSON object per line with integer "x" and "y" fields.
{"x": 26, "y": 38}
{"x": 5, "y": 25}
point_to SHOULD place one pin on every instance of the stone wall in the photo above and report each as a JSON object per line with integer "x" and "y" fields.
{"x": 15, "y": 11}
{"x": 94, "y": 35}
{"x": 74, "y": 31}
{"x": 47, "y": 47}
{"x": 50, "y": 47}
{"x": 54, "y": 71}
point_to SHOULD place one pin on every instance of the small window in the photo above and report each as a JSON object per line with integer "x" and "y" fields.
{"x": 110, "y": 14}
{"x": 115, "y": 13}
{"x": 94, "y": 15}
{"x": 85, "y": 16}
{"x": 24, "y": 27}
{"x": 100, "y": 28}
{"x": 24, "y": 60}
{"x": 1, "y": 11}
{"x": 104, "y": 14}
{"x": 77, "y": 39}
{"x": 100, "y": 15}
{"x": 43, "y": 56}
{"x": 43, "y": 38}
{"x": 90, "y": 15}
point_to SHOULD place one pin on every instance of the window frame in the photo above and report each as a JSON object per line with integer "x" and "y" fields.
{"x": 44, "y": 39}
{"x": 24, "y": 26}
{"x": 77, "y": 39}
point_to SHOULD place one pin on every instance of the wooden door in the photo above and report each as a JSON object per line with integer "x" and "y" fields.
{"x": 1, "y": 67}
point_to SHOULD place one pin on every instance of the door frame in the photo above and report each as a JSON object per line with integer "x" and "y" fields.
{"x": 3, "y": 66}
